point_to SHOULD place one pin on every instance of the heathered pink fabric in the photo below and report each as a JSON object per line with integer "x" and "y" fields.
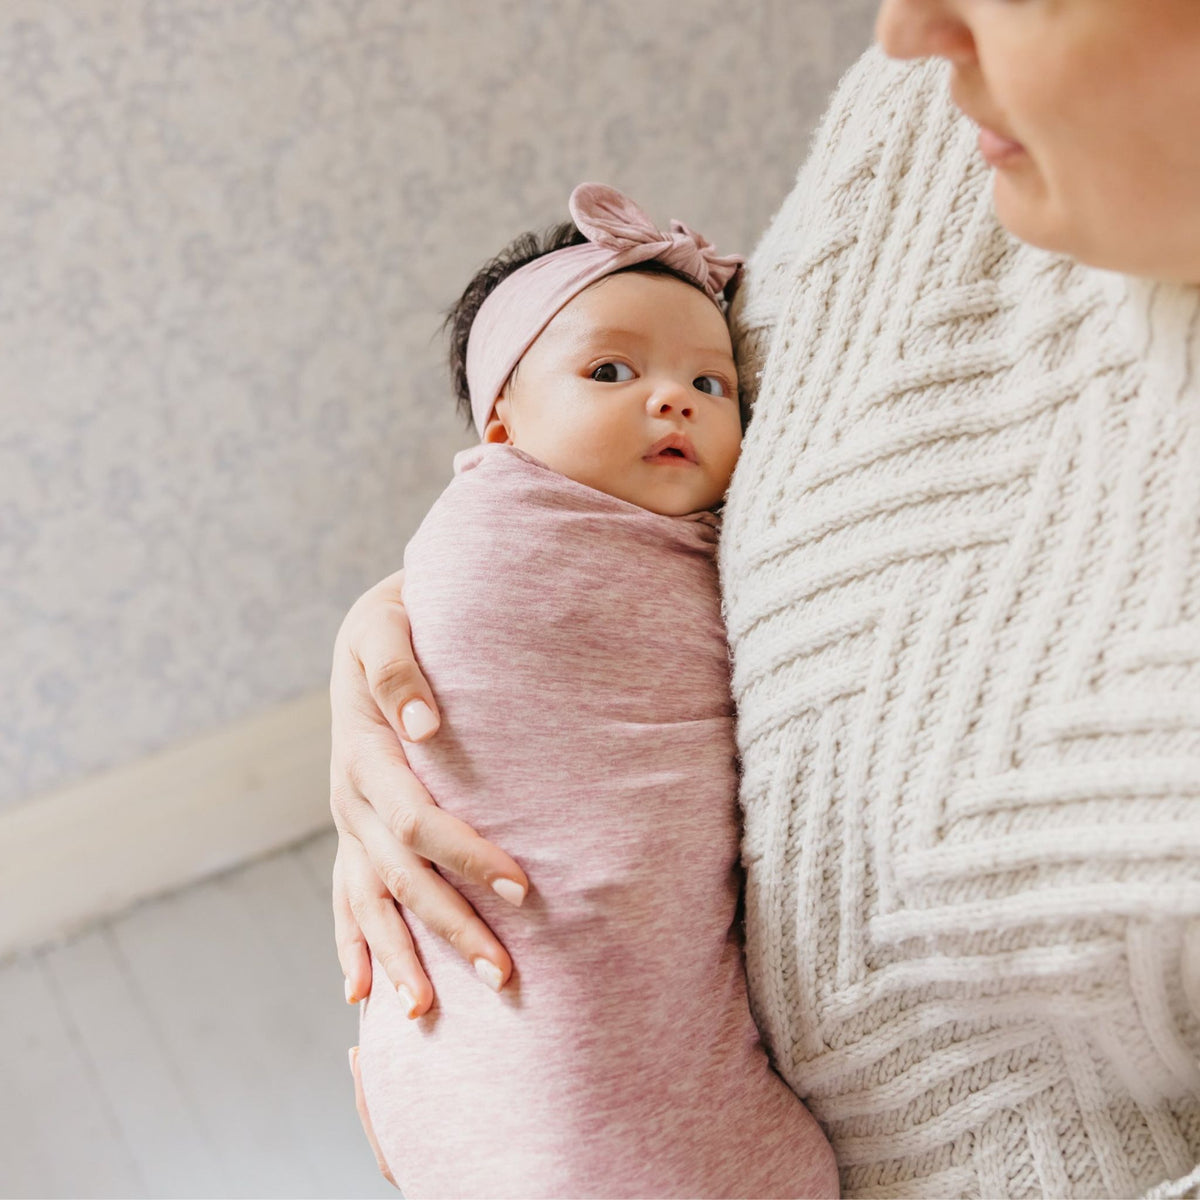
{"x": 574, "y": 642}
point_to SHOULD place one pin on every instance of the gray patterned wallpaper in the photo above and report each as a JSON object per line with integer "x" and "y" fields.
{"x": 227, "y": 230}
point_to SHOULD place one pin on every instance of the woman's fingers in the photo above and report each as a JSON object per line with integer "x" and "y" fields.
{"x": 377, "y": 865}
{"x": 384, "y": 854}
{"x": 364, "y": 914}
{"x": 441, "y": 908}
{"x": 390, "y": 829}
{"x": 378, "y": 644}
{"x": 419, "y": 825}
{"x": 353, "y": 955}
{"x": 360, "y": 1103}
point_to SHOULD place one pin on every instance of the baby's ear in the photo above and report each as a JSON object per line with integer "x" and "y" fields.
{"x": 496, "y": 430}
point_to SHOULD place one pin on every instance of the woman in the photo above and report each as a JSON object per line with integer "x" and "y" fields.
{"x": 961, "y": 562}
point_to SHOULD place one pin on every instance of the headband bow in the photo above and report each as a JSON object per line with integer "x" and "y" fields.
{"x": 607, "y": 218}
{"x": 619, "y": 235}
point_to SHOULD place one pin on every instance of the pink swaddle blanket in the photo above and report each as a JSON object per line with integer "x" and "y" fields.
{"x": 575, "y": 645}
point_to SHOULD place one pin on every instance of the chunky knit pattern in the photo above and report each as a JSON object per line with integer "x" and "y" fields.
{"x": 961, "y": 569}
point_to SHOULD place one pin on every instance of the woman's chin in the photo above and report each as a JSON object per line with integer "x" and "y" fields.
{"x": 1024, "y": 209}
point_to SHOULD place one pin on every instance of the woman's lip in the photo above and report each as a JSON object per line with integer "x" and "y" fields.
{"x": 997, "y": 150}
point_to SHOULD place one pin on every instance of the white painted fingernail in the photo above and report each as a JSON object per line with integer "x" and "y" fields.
{"x": 510, "y": 890}
{"x": 408, "y": 1001}
{"x": 351, "y": 998}
{"x": 489, "y": 973}
{"x": 418, "y": 720}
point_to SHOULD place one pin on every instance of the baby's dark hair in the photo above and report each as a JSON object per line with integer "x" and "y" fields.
{"x": 519, "y": 252}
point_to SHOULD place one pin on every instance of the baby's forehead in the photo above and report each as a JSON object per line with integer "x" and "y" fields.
{"x": 691, "y": 327}
{"x": 603, "y": 331}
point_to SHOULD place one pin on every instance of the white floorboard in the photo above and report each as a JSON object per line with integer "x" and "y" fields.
{"x": 56, "y": 1132}
{"x": 157, "y": 1120}
{"x": 194, "y": 1046}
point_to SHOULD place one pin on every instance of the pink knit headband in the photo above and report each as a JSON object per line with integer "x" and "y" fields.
{"x": 619, "y": 235}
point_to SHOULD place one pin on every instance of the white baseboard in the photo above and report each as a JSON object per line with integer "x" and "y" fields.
{"x": 92, "y": 849}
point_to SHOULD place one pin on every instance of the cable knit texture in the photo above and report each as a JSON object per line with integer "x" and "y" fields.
{"x": 961, "y": 569}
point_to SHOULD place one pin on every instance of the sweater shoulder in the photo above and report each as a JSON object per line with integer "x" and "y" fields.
{"x": 878, "y": 105}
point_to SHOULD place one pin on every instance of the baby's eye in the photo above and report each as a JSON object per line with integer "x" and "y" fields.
{"x": 613, "y": 372}
{"x": 709, "y": 384}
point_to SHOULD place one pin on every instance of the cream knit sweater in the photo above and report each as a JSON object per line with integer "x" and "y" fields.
{"x": 961, "y": 568}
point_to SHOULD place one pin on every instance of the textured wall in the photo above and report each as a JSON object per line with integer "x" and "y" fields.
{"x": 227, "y": 228}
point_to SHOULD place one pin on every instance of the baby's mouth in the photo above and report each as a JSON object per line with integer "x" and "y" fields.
{"x": 674, "y": 448}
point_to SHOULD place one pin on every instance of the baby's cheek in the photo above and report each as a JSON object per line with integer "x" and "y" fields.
{"x": 731, "y": 462}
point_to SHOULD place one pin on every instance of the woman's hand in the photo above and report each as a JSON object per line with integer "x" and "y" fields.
{"x": 389, "y": 828}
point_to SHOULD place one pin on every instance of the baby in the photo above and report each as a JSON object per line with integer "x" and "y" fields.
{"x": 564, "y": 606}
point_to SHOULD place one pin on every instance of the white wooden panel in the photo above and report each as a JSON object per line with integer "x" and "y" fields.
{"x": 240, "y": 980}
{"x": 316, "y": 854}
{"x": 158, "y": 1120}
{"x": 299, "y": 922}
{"x": 195, "y": 1046}
{"x": 231, "y": 1026}
{"x": 57, "y": 1137}
{"x": 89, "y": 851}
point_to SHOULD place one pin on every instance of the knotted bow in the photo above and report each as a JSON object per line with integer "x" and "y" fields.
{"x": 619, "y": 235}
{"x": 607, "y": 218}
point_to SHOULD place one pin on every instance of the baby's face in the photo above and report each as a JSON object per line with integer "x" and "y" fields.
{"x": 630, "y": 362}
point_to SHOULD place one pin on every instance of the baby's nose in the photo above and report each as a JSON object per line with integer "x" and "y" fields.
{"x": 668, "y": 399}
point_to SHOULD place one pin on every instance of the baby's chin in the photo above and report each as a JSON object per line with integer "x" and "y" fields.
{"x": 661, "y": 502}
{"x": 678, "y": 491}
{"x": 674, "y": 511}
